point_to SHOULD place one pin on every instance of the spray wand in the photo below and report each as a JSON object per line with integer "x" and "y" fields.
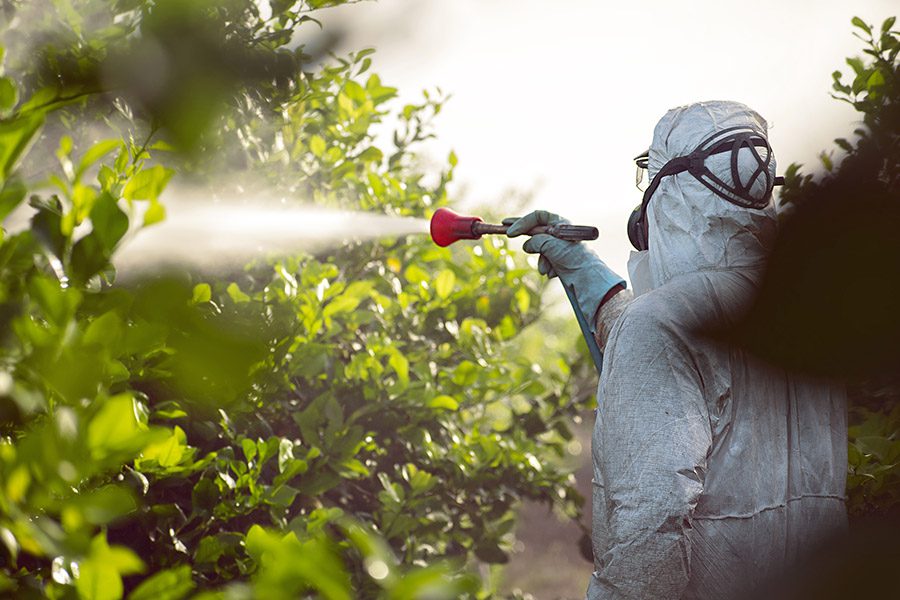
{"x": 448, "y": 227}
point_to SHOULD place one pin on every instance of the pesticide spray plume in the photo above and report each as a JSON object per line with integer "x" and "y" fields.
{"x": 225, "y": 233}
{"x": 448, "y": 227}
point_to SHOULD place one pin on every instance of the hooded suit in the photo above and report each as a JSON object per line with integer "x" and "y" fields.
{"x": 713, "y": 472}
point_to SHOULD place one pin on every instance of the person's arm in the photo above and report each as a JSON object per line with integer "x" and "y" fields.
{"x": 611, "y": 308}
{"x": 591, "y": 282}
{"x": 651, "y": 440}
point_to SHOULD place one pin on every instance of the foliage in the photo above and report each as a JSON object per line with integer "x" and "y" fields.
{"x": 874, "y": 478}
{"x": 875, "y": 92}
{"x": 356, "y": 424}
{"x": 854, "y": 206}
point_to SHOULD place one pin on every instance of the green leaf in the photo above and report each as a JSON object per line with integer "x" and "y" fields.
{"x": 107, "y": 330}
{"x": 115, "y": 428}
{"x": 876, "y": 79}
{"x": 171, "y": 584}
{"x": 209, "y": 550}
{"x": 202, "y": 293}
{"x": 156, "y": 213}
{"x": 879, "y": 447}
{"x": 857, "y": 64}
{"x": 349, "y": 299}
{"x": 121, "y": 160}
{"x": 95, "y": 153}
{"x": 400, "y": 365}
{"x": 844, "y": 145}
{"x": 163, "y": 146}
{"x": 334, "y": 154}
{"x": 106, "y": 504}
{"x": 888, "y": 23}
{"x": 377, "y": 185}
{"x": 861, "y": 24}
{"x": 341, "y": 304}
{"x": 9, "y": 95}
{"x": 283, "y": 496}
{"x": 123, "y": 559}
{"x": 98, "y": 581}
{"x": 11, "y": 196}
{"x": 388, "y": 487}
{"x": 355, "y": 91}
{"x": 317, "y": 145}
{"x": 106, "y": 177}
{"x": 148, "y": 184}
{"x": 416, "y": 274}
{"x": 92, "y": 253}
{"x": 39, "y": 100}
{"x": 17, "y": 484}
{"x": 109, "y": 222}
{"x": 168, "y": 452}
{"x": 100, "y": 576}
{"x": 523, "y": 300}
{"x": 235, "y": 293}
{"x": 466, "y": 373}
{"x": 370, "y": 154}
{"x": 58, "y": 304}
{"x": 443, "y": 284}
{"x": 249, "y": 448}
{"x": 444, "y": 402}
{"x": 65, "y": 146}
{"x": 345, "y": 103}
{"x": 83, "y": 197}
{"x": 15, "y": 137}
{"x": 257, "y": 541}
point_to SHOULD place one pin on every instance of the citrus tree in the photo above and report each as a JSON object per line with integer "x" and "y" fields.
{"x": 358, "y": 423}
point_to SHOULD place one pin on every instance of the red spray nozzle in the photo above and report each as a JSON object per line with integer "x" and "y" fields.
{"x": 447, "y": 227}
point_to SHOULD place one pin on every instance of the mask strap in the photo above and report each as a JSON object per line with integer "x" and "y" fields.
{"x": 673, "y": 167}
{"x": 695, "y": 163}
{"x": 739, "y": 194}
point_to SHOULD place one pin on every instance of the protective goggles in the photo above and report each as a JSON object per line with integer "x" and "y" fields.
{"x": 738, "y": 191}
{"x": 641, "y": 178}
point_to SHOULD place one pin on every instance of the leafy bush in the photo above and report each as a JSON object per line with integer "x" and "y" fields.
{"x": 355, "y": 424}
{"x": 854, "y": 206}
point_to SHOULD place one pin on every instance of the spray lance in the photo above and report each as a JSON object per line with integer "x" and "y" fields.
{"x": 448, "y": 227}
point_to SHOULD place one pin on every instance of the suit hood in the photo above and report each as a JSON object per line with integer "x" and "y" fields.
{"x": 691, "y": 228}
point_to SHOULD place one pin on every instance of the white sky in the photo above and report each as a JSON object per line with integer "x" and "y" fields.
{"x": 558, "y": 97}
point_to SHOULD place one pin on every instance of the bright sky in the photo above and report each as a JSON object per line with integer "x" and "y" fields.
{"x": 558, "y": 97}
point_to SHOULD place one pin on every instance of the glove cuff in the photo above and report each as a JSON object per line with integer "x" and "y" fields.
{"x": 590, "y": 284}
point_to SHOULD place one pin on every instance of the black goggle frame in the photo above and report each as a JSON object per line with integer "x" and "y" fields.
{"x": 733, "y": 140}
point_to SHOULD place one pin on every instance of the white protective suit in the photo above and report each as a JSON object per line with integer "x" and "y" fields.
{"x": 712, "y": 471}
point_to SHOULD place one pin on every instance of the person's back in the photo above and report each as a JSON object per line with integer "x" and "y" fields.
{"x": 723, "y": 468}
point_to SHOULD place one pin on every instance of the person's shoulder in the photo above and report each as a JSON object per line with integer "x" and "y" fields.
{"x": 661, "y": 305}
{"x": 676, "y": 310}
{"x": 651, "y": 314}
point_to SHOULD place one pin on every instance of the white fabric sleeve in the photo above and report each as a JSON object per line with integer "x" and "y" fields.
{"x": 651, "y": 441}
{"x": 608, "y": 314}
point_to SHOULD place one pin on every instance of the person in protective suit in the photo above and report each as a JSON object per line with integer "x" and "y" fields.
{"x": 712, "y": 471}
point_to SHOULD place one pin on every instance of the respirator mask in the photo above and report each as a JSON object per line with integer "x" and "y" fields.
{"x": 737, "y": 191}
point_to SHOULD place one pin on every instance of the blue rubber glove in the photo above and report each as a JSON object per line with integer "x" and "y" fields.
{"x": 574, "y": 263}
